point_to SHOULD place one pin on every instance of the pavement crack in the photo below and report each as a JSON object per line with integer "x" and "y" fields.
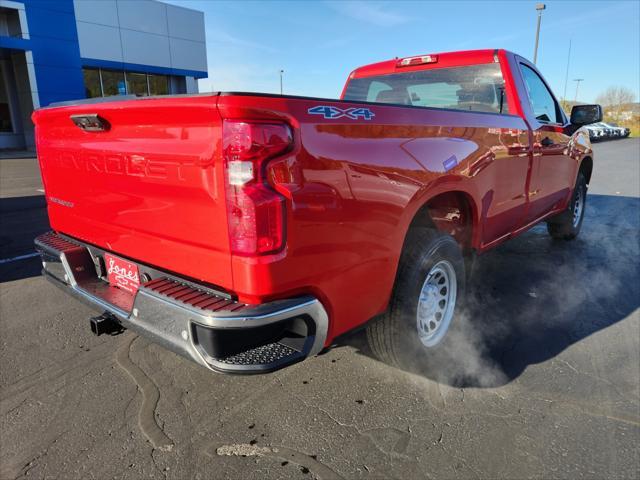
{"x": 316, "y": 407}
{"x": 158, "y": 468}
{"x": 67, "y": 370}
{"x": 399, "y": 446}
{"x": 150, "y": 397}
{"x": 595, "y": 413}
{"x": 30, "y": 464}
{"x": 462, "y": 461}
{"x": 17, "y": 407}
{"x": 594, "y": 376}
{"x": 319, "y": 469}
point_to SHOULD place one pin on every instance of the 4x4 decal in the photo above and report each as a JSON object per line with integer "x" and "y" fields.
{"x": 333, "y": 113}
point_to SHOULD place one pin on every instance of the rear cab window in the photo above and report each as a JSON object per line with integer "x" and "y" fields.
{"x": 475, "y": 88}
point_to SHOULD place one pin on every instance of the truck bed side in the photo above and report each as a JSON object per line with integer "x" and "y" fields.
{"x": 359, "y": 186}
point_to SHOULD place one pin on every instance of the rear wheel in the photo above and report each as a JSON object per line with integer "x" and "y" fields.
{"x": 426, "y": 300}
{"x": 567, "y": 225}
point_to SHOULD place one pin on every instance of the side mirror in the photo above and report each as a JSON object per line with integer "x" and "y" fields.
{"x": 586, "y": 114}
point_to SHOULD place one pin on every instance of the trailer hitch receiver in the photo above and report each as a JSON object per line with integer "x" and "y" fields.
{"x": 105, "y": 323}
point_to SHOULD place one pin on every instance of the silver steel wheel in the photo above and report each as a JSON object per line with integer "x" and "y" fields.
{"x": 436, "y": 303}
{"x": 578, "y": 206}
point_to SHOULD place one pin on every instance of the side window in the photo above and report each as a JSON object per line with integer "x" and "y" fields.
{"x": 544, "y": 106}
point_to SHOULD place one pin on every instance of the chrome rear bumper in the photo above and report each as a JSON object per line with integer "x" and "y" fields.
{"x": 199, "y": 323}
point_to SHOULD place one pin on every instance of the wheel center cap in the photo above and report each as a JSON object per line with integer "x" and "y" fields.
{"x": 429, "y": 300}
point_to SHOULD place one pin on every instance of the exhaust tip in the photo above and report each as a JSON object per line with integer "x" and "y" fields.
{"x": 105, "y": 323}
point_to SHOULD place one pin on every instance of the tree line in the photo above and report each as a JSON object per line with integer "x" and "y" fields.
{"x": 617, "y": 103}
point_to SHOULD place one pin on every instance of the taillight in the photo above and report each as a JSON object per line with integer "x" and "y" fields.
{"x": 255, "y": 211}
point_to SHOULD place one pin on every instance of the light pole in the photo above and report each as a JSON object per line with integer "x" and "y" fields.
{"x": 539, "y": 7}
{"x": 281, "y": 72}
{"x": 577, "y": 80}
{"x": 566, "y": 75}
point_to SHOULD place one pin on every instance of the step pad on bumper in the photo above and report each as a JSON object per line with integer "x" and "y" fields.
{"x": 264, "y": 355}
{"x": 191, "y": 296}
{"x": 56, "y": 242}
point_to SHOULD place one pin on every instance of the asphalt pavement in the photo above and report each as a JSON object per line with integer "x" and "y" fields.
{"x": 546, "y": 382}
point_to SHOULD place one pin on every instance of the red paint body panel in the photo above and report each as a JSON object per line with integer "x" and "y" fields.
{"x": 151, "y": 189}
{"x": 147, "y": 189}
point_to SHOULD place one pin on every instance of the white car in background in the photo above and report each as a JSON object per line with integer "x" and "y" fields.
{"x": 619, "y": 132}
{"x": 614, "y": 132}
{"x": 595, "y": 132}
{"x": 606, "y": 129}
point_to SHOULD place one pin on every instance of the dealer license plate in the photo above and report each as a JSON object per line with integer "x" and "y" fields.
{"x": 122, "y": 273}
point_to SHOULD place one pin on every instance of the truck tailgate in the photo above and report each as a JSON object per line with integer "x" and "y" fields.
{"x": 148, "y": 187}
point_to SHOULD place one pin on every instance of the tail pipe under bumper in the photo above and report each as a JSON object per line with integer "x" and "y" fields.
{"x": 194, "y": 321}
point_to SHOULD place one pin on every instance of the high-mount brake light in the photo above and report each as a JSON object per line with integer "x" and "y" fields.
{"x": 255, "y": 211}
{"x": 419, "y": 60}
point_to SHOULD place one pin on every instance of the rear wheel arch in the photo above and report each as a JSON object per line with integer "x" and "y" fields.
{"x": 452, "y": 212}
{"x": 447, "y": 218}
{"x": 425, "y": 218}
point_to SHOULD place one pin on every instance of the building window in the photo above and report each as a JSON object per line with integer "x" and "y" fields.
{"x": 5, "y": 110}
{"x": 113, "y": 83}
{"x": 158, "y": 84}
{"x": 92, "y": 82}
{"x": 137, "y": 84}
{"x": 103, "y": 83}
{"x": 10, "y": 23}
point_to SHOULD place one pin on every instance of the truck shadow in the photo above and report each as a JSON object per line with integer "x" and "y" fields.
{"x": 21, "y": 220}
{"x": 532, "y": 297}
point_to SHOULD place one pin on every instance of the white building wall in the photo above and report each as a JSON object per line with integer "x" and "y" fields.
{"x": 145, "y": 32}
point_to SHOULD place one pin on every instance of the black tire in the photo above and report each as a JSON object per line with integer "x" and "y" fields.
{"x": 393, "y": 337}
{"x": 566, "y": 226}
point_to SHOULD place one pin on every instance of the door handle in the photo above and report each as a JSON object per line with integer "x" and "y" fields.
{"x": 90, "y": 122}
{"x": 546, "y": 142}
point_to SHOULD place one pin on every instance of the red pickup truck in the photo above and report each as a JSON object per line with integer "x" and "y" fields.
{"x": 247, "y": 231}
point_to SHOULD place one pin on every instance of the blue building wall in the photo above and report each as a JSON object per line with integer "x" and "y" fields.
{"x": 54, "y": 44}
{"x": 56, "y": 54}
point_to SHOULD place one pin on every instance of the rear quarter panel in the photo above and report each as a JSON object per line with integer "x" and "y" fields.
{"x": 360, "y": 184}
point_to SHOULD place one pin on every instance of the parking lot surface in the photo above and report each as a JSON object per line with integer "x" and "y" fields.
{"x": 546, "y": 382}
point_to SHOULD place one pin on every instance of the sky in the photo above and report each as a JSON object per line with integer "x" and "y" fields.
{"x": 318, "y": 43}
